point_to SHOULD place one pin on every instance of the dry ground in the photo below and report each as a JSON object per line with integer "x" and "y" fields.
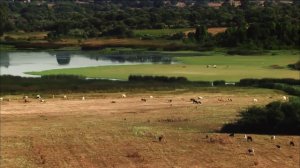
{"x": 99, "y": 133}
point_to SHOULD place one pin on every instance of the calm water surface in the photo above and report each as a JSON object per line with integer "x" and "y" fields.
{"x": 16, "y": 63}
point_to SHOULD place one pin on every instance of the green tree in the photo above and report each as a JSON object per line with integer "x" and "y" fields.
{"x": 201, "y": 34}
{"x": 3, "y": 18}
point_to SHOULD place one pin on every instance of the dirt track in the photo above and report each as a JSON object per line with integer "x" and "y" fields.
{"x": 99, "y": 133}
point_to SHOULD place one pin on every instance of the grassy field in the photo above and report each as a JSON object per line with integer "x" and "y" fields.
{"x": 98, "y": 133}
{"x": 229, "y": 68}
{"x": 159, "y": 32}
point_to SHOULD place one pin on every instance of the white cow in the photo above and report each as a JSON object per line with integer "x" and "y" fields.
{"x": 284, "y": 98}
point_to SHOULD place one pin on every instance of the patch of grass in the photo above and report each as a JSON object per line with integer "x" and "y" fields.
{"x": 156, "y": 33}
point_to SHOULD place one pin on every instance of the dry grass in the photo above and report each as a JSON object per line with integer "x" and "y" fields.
{"x": 97, "y": 133}
{"x": 212, "y": 30}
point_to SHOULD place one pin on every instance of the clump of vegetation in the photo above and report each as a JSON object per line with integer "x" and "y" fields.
{"x": 295, "y": 66}
{"x": 69, "y": 83}
{"x": 290, "y": 86}
{"x": 275, "y": 118}
{"x": 219, "y": 83}
{"x": 156, "y": 78}
{"x": 179, "y": 119}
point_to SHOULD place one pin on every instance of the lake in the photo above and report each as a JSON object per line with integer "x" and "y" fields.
{"x": 17, "y": 63}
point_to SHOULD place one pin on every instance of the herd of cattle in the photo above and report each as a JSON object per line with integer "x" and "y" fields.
{"x": 193, "y": 100}
{"x": 197, "y": 100}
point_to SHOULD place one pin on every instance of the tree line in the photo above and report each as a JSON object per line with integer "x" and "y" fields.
{"x": 271, "y": 26}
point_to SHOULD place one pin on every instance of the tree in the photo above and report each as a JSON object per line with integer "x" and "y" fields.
{"x": 3, "y": 18}
{"x": 201, "y": 34}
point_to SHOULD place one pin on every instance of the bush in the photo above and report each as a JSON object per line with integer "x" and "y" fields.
{"x": 245, "y": 52}
{"x": 138, "y": 78}
{"x": 219, "y": 83}
{"x": 9, "y": 38}
{"x": 295, "y": 66}
{"x": 286, "y": 84}
{"x": 275, "y": 118}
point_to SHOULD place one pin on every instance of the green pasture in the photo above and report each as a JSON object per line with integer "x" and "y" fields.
{"x": 229, "y": 68}
{"x": 158, "y": 32}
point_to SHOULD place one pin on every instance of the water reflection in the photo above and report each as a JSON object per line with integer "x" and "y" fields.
{"x": 16, "y": 63}
{"x": 63, "y": 58}
{"x": 4, "y": 59}
{"x": 141, "y": 58}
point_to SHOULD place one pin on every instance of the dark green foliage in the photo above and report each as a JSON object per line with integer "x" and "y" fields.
{"x": 295, "y": 66}
{"x": 219, "y": 83}
{"x": 264, "y": 81}
{"x": 275, "y": 118}
{"x": 249, "y": 27}
{"x": 65, "y": 83}
{"x": 135, "y": 78}
{"x": 201, "y": 34}
{"x": 290, "y": 86}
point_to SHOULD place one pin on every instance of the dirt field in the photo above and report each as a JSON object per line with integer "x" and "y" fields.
{"x": 99, "y": 133}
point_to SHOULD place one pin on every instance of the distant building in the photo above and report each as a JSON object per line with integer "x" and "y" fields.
{"x": 180, "y": 4}
{"x": 235, "y": 3}
{"x": 215, "y": 4}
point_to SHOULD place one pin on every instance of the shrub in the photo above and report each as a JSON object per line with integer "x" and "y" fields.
{"x": 219, "y": 83}
{"x": 276, "y": 117}
{"x": 9, "y": 38}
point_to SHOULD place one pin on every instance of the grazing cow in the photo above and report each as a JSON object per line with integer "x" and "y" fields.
{"x": 200, "y": 97}
{"x": 292, "y": 143}
{"x": 232, "y": 134}
{"x": 42, "y": 101}
{"x": 124, "y": 96}
{"x": 215, "y": 66}
{"x": 273, "y": 137}
{"x": 26, "y": 100}
{"x": 278, "y": 146}
{"x": 113, "y": 101}
{"x": 255, "y": 100}
{"x": 144, "y": 100}
{"x": 38, "y": 96}
{"x": 284, "y": 98}
{"x": 160, "y": 138}
{"x": 195, "y": 101}
{"x": 251, "y": 151}
{"x": 25, "y": 97}
{"x": 249, "y": 138}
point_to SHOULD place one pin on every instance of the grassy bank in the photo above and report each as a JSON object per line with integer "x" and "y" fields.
{"x": 229, "y": 68}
